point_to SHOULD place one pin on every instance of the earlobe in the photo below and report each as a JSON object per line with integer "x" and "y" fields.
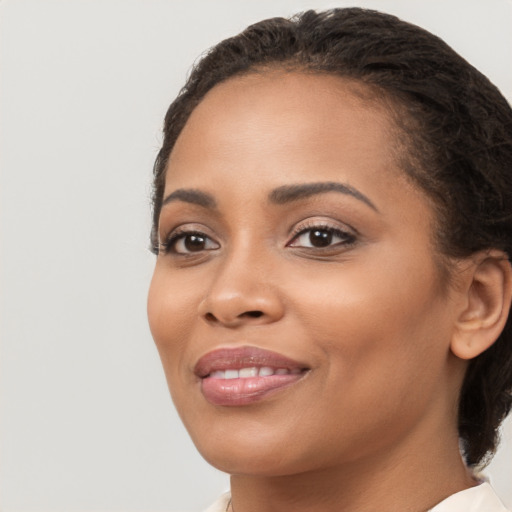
{"x": 488, "y": 293}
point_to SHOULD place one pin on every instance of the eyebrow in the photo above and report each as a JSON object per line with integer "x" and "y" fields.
{"x": 280, "y": 195}
{"x": 289, "y": 193}
{"x": 193, "y": 196}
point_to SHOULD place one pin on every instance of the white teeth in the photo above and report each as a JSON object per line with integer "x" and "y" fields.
{"x": 245, "y": 373}
{"x": 248, "y": 372}
{"x": 265, "y": 371}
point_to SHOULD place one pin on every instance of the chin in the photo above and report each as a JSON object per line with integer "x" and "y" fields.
{"x": 262, "y": 464}
{"x": 265, "y": 453}
{"x": 234, "y": 454}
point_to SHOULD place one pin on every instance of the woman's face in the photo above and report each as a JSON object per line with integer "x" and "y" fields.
{"x": 296, "y": 302}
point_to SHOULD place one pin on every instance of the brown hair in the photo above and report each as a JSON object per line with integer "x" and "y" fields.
{"x": 458, "y": 133}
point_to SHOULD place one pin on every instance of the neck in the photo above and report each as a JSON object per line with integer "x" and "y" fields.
{"x": 413, "y": 477}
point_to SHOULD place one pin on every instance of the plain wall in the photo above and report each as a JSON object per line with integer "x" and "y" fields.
{"x": 86, "y": 420}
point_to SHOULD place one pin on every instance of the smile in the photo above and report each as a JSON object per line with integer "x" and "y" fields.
{"x": 242, "y": 376}
{"x": 246, "y": 373}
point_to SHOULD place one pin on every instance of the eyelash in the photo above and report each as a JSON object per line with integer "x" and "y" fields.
{"x": 169, "y": 244}
{"x": 181, "y": 234}
{"x": 346, "y": 238}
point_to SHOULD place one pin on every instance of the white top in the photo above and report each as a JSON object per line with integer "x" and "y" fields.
{"x": 481, "y": 498}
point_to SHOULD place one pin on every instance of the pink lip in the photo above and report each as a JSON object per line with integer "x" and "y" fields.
{"x": 244, "y": 391}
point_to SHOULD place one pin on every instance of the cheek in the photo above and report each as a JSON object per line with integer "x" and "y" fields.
{"x": 172, "y": 307}
{"x": 376, "y": 318}
{"x": 384, "y": 349}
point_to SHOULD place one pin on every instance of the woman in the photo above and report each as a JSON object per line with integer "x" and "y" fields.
{"x": 333, "y": 225}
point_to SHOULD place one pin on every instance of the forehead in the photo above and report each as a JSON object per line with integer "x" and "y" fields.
{"x": 317, "y": 98}
{"x": 262, "y": 118}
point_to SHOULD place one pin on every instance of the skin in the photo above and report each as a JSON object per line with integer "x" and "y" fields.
{"x": 368, "y": 315}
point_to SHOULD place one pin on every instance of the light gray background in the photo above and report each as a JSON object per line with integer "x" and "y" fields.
{"x": 86, "y": 421}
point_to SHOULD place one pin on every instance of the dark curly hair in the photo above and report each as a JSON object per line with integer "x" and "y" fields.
{"x": 456, "y": 129}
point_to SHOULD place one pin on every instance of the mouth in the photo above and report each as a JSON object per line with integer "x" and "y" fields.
{"x": 245, "y": 375}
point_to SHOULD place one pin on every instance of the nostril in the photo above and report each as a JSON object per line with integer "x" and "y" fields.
{"x": 210, "y": 317}
{"x": 254, "y": 314}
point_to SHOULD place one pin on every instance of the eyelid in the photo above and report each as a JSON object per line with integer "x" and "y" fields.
{"x": 344, "y": 231}
{"x": 319, "y": 223}
{"x": 166, "y": 245}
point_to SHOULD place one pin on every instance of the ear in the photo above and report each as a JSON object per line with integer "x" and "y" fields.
{"x": 487, "y": 295}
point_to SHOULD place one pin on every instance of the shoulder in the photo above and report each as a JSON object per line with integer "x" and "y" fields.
{"x": 481, "y": 498}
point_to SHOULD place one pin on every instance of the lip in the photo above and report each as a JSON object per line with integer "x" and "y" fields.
{"x": 239, "y": 391}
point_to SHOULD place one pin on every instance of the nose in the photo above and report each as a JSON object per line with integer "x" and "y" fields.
{"x": 242, "y": 293}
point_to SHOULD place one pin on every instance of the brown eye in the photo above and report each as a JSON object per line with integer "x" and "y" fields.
{"x": 194, "y": 243}
{"x": 319, "y": 238}
{"x": 191, "y": 242}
